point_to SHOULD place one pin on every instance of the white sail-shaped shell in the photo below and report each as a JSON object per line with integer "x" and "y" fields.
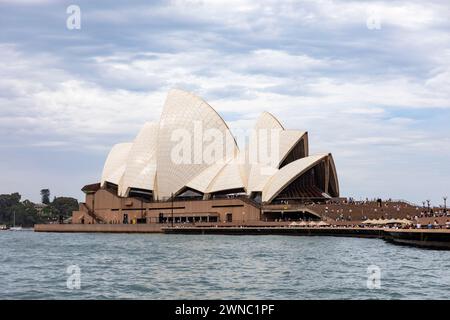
{"x": 140, "y": 169}
{"x": 115, "y": 164}
{"x": 184, "y": 116}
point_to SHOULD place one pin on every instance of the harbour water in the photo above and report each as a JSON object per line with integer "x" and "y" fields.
{"x": 158, "y": 266}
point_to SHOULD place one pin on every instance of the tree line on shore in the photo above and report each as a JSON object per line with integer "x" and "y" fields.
{"x": 26, "y": 213}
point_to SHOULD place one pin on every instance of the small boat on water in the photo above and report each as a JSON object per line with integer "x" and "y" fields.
{"x": 4, "y": 227}
{"x": 20, "y": 228}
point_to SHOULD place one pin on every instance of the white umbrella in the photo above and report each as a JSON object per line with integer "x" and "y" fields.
{"x": 382, "y": 221}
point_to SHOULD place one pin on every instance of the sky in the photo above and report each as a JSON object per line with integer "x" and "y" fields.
{"x": 368, "y": 80}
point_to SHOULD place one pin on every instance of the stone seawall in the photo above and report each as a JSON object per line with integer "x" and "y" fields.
{"x": 101, "y": 228}
{"x": 427, "y": 238}
{"x": 296, "y": 231}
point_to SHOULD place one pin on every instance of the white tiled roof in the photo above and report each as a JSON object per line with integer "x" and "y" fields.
{"x": 140, "y": 168}
{"x": 150, "y": 163}
{"x": 183, "y": 111}
{"x": 268, "y": 134}
{"x": 115, "y": 163}
{"x": 289, "y": 173}
{"x": 229, "y": 177}
{"x": 203, "y": 180}
{"x": 288, "y": 140}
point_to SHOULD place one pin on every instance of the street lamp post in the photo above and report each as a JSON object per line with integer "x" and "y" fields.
{"x": 172, "y": 209}
{"x": 445, "y": 204}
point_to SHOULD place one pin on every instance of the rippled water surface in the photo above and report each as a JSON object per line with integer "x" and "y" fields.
{"x": 154, "y": 266}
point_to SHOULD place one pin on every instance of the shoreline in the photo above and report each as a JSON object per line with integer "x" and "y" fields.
{"x": 424, "y": 238}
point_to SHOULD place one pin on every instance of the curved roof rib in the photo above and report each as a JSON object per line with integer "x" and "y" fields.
{"x": 267, "y": 130}
{"x": 268, "y": 121}
{"x": 115, "y": 163}
{"x": 187, "y": 113}
{"x": 333, "y": 174}
{"x": 203, "y": 180}
{"x": 141, "y": 163}
{"x": 228, "y": 178}
{"x": 268, "y": 134}
{"x": 259, "y": 176}
{"x": 257, "y": 170}
{"x": 289, "y": 139}
{"x": 288, "y": 174}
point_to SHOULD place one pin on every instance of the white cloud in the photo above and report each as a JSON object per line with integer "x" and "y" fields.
{"x": 245, "y": 84}
{"x": 313, "y": 64}
{"x": 77, "y": 107}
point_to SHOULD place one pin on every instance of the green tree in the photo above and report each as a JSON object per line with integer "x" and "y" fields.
{"x": 63, "y": 206}
{"x": 45, "y": 195}
{"x": 7, "y": 202}
{"x": 25, "y": 212}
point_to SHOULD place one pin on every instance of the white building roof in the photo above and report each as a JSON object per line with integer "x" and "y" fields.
{"x": 203, "y": 180}
{"x": 267, "y": 121}
{"x": 269, "y": 145}
{"x": 288, "y": 140}
{"x": 168, "y": 156}
{"x": 115, "y": 163}
{"x": 228, "y": 178}
{"x": 140, "y": 168}
{"x": 185, "y": 114}
{"x": 288, "y": 174}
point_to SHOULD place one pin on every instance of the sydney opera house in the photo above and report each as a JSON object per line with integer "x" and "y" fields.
{"x": 188, "y": 168}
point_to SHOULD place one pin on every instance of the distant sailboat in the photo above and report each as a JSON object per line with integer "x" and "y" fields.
{"x": 14, "y": 228}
